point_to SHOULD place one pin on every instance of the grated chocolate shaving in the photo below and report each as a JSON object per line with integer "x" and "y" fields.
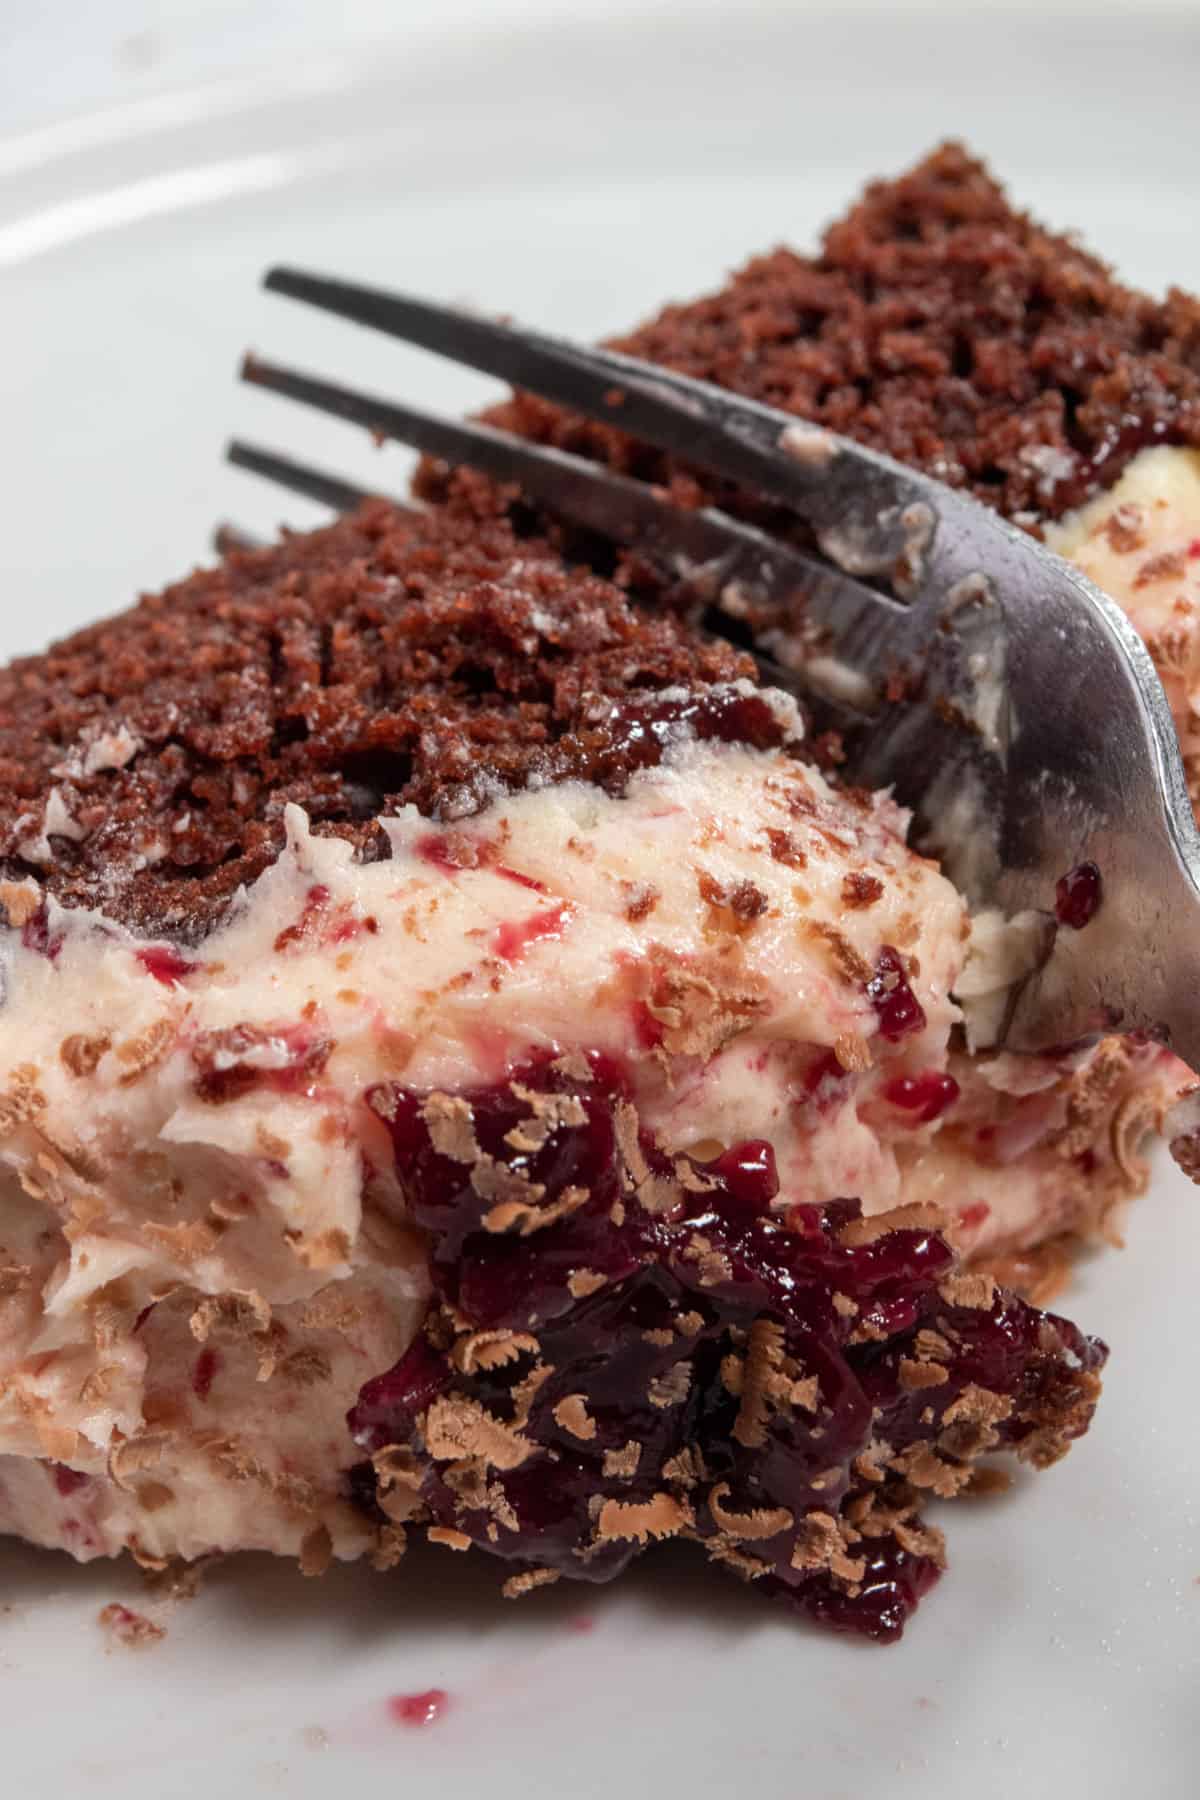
{"x": 821, "y": 1544}
{"x": 914, "y": 1374}
{"x": 916, "y": 1216}
{"x": 457, "y": 1427}
{"x": 445, "y": 1534}
{"x": 975, "y": 1291}
{"x": 391, "y": 1541}
{"x": 518, "y": 1585}
{"x": 526, "y": 1216}
{"x": 572, "y": 1414}
{"x": 662, "y": 1516}
{"x": 747, "y": 1527}
{"x": 582, "y": 1282}
{"x": 491, "y": 1349}
{"x": 141, "y": 1054}
{"x": 764, "y": 1358}
{"x": 672, "y": 1388}
{"x": 623, "y": 1463}
{"x": 849, "y": 963}
{"x": 80, "y": 1054}
{"x": 451, "y": 1126}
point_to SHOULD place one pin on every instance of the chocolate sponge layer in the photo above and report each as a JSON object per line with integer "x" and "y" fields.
{"x": 392, "y": 658}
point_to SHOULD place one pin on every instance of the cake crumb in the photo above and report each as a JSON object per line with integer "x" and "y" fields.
{"x": 132, "y": 1630}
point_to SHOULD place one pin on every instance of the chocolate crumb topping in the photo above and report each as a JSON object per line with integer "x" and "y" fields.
{"x": 938, "y": 324}
{"x": 393, "y": 658}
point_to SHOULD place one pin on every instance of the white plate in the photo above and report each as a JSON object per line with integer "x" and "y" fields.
{"x": 578, "y": 174}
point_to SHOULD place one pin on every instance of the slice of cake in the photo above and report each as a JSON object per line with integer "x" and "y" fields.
{"x": 463, "y": 1064}
{"x": 438, "y": 993}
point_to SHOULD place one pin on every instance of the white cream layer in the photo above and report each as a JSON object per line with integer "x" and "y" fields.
{"x": 194, "y": 1282}
{"x": 1140, "y": 542}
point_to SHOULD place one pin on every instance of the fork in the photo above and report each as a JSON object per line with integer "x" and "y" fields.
{"x": 1005, "y": 700}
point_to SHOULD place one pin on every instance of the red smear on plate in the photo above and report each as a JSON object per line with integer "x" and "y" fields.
{"x": 419, "y": 1709}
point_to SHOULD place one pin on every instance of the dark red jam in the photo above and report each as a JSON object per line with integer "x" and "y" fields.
{"x": 896, "y": 1006}
{"x": 164, "y": 962}
{"x": 204, "y": 1373}
{"x": 37, "y": 936}
{"x": 824, "y": 1070}
{"x": 67, "y": 1481}
{"x": 625, "y": 1347}
{"x": 433, "y": 848}
{"x": 513, "y": 936}
{"x": 1077, "y": 896}
{"x": 926, "y": 1096}
{"x": 643, "y": 729}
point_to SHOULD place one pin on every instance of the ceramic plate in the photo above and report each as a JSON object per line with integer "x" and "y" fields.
{"x": 577, "y": 172}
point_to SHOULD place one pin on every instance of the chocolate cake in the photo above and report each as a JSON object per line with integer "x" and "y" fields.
{"x": 465, "y": 1067}
{"x": 943, "y": 327}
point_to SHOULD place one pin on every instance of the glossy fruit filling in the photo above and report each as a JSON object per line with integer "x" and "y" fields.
{"x": 626, "y": 1347}
{"x": 1077, "y": 896}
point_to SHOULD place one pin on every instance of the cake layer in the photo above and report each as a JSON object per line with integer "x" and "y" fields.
{"x": 425, "y": 972}
{"x": 145, "y": 762}
{"x": 186, "y": 1152}
{"x": 205, "y": 1250}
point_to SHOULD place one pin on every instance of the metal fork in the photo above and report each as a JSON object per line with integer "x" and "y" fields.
{"x": 1004, "y": 698}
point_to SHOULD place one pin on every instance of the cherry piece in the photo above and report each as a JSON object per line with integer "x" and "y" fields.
{"x": 1077, "y": 896}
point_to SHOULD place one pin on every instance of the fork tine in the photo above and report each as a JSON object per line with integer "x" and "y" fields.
{"x": 712, "y": 552}
{"x": 304, "y": 479}
{"x": 715, "y": 555}
{"x": 587, "y": 493}
{"x": 300, "y": 478}
{"x": 712, "y": 428}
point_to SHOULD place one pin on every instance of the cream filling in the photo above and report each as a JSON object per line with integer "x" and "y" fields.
{"x": 192, "y": 1289}
{"x": 1001, "y": 952}
{"x": 1140, "y": 542}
